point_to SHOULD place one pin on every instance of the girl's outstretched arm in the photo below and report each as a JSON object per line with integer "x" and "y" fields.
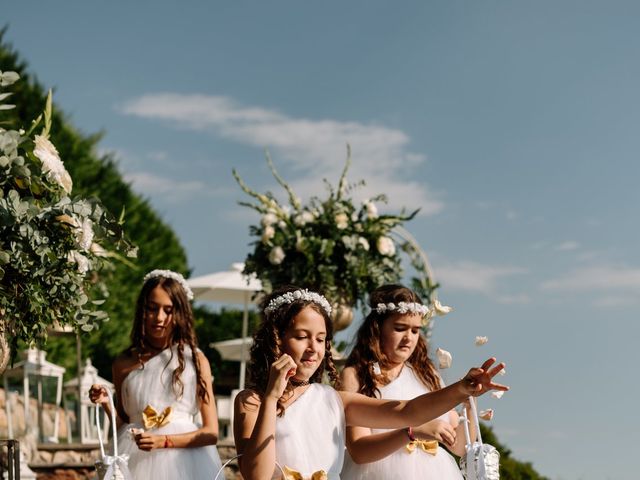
{"x": 377, "y": 413}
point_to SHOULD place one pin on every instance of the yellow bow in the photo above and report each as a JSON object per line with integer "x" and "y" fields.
{"x": 429, "y": 446}
{"x": 290, "y": 474}
{"x": 152, "y": 419}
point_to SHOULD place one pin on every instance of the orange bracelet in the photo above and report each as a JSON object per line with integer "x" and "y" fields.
{"x": 167, "y": 442}
{"x": 409, "y": 431}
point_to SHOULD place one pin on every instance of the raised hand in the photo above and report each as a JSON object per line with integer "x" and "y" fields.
{"x": 480, "y": 380}
{"x": 281, "y": 370}
{"x": 98, "y": 394}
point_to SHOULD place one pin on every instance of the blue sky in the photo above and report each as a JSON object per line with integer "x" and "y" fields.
{"x": 513, "y": 125}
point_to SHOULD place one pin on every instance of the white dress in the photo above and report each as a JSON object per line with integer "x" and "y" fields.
{"x": 152, "y": 385}
{"x": 401, "y": 464}
{"x": 310, "y": 435}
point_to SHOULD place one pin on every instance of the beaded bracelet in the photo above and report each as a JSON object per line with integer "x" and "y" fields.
{"x": 167, "y": 442}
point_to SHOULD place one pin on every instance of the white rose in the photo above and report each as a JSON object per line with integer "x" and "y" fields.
{"x": 364, "y": 243}
{"x": 268, "y": 219}
{"x": 85, "y": 234}
{"x": 342, "y": 221}
{"x": 276, "y": 256}
{"x": 80, "y": 260}
{"x": 268, "y": 233}
{"x": 372, "y": 210}
{"x": 386, "y": 246}
{"x": 52, "y": 166}
{"x": 300, "y": 244}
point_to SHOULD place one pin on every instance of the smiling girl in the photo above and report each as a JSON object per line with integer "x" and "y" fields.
{"x": 288, "y": 416}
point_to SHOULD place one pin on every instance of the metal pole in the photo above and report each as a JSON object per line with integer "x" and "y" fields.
{"x": 79, "y": 404}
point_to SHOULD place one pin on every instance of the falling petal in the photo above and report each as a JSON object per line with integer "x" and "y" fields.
{"x": 444, "y": 358}
{"x": 481, "y": 340}
{"x": 503, "y": 371}
{"x": 497, "y": 394}
{"x": 440, "y": 309}
{"x": 486, "y": 414}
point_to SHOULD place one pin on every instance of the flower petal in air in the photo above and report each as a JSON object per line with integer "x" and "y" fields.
{"x": 486, "y": 414}
{"x": 481, "y": 341}
{"x": 444, "y": 358}
{"x": 498, "y": 394}
{"x": 440, "y": 309}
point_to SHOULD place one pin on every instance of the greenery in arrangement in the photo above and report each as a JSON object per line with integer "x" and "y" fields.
{"x": 52, "y": 245}
{"x": 335, "y": 245}
{"x": 97, "y": 175}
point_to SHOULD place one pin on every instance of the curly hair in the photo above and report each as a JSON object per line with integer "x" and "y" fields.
{"x": 183, "y": 330}
{"x": 367, "y": 349}
{"x": 266, "y": 343}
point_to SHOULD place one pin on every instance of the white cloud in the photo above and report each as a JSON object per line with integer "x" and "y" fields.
{"x": 597, "y": 278}
{"x": 153, "y": 185}
{"x": 567, "y": 246}
{"x": 314, "y": 148}
{"x": 479, "y": 278}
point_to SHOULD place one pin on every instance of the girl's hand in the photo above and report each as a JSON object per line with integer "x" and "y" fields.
{"x": 479, "y": 380}
{"x": 281, "y": 370}
{"x": 148, "y": 442}
{"x": 438, "y": 430}
{"x": 98, "y": 394}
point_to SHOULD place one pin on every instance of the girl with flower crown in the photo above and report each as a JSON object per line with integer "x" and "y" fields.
{"x": 390, "y": 360}
{"x": 163, "y": 382}
{"x": 287, "y": 420}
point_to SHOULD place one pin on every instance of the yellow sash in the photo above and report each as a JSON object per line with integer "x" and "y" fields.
{"x": 429, "y": 446}
{"x": 290, "y": 474}
{"x": 152, "y": 419}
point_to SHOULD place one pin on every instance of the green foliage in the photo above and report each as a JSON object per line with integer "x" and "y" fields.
{"x": 52, "y": 245}
{"x": 510, "y": 468}
{"x": 332, "y": 245}
{"x": 97, "y": 176}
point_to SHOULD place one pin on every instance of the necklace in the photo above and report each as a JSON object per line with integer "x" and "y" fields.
{"x": 299, "y": 383}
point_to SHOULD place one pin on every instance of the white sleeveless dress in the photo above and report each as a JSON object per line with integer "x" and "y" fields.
{"x": 311, "y": 434}
{"x": 401, "y": 464}
{"x": 152, "y": 385}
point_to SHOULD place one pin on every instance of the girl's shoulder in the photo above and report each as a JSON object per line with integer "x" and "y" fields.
{"x": 248, "y": 399}
{"x": 349, "y": 380}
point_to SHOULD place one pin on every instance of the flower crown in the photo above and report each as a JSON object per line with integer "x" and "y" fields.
{"x": 173, "y": 276}
{"x": 304, "y": 295}
{"x": 403, "y": 307}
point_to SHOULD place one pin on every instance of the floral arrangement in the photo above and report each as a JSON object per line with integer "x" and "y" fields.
{"x": 332, "y": 245}
{"x": 52, "y": 246}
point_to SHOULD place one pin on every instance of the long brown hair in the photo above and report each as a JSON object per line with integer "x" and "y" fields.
{"x": 183, "y": 330}
{"x": 367, "y": 349}
{"x": 266, "y": 342}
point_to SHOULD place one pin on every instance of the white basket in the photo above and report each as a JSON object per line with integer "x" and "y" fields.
{"x": 111, "y": 467}
{"x": 480, "y": 461}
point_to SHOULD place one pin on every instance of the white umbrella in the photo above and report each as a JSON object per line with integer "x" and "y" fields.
{"x": 235, "y": 350}
{"x": 229, "y": 287}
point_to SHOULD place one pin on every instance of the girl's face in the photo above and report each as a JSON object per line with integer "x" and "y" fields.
{"x": 399, "y": 336}
{"x": 158, "y": 318}
{"x": 305, "y": 341}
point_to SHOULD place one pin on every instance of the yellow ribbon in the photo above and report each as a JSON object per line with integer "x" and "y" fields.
{"x": 428, "y": 446}
{"x": 290, "y": 474}
{"x": 152, "y": 419}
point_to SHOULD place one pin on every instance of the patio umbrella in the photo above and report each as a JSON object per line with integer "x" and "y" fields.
{"x": 229, "y": 287}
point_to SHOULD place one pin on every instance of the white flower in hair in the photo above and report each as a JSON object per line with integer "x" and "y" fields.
{"x": 304, "y": 295}
{"x": 403, "y": 308}
{"x": 444, "y": 358}
{"x": 172, "y": 275}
